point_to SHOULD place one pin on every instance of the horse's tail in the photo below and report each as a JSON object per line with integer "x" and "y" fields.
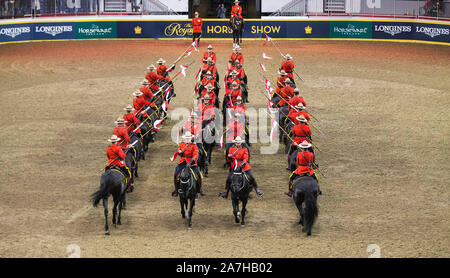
{"x": 103, "y": 191}
{"x": 311, "y": 211}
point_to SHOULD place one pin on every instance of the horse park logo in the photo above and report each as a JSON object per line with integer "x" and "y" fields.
{"x": 53, "y": 30}
{"x": 137, "y": 30}
{"x": 393, "y": 29}
{"x": 350, "y": 30}
{"x": 95, "y": 30}
{"x": 15, "y": 31}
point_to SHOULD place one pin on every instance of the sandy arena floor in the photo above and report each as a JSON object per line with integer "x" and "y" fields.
{"x": 384, "y": 109}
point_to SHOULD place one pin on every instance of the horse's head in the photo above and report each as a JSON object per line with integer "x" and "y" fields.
{"x": 185, "y": 180}
{"x": 237, "y": 180}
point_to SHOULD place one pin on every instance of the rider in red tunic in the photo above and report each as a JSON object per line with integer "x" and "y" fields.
{"x": 188, "y": 151}
{"x": 208, "y": 54}
{"x": 116, "y": 157}
{"x": 236, "y": 10}
{"x": 304, "y": 165}
{"x": 122, "y": 133}
{"x": 152, "y": 77}
{"x": 131, "y": 121}
{"x": 239, "y": 156}
{"x": 288, "y": 66}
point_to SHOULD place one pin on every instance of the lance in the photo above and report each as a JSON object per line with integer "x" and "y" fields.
{"x": 162, "y": 87}
{"x": 284, "y": 57}
{"x": 288, "y": 134}
{"x": 317, "y": 168}
{"x": 284, "y": 86}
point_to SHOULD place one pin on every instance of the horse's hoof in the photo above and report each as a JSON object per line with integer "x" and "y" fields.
{"x": 308, "y": 233}
{"x": 242, "y": 225}
{"x": 107, "y": 233}
{"x": 119, "y": 223}
{"x": 189, "y": 228}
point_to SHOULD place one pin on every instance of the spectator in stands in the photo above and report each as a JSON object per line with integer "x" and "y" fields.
{"x": 221, "y": 11}
{"x": 195, "y": 5}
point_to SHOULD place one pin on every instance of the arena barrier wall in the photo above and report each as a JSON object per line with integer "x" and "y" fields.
{"x": 334, "y": 29}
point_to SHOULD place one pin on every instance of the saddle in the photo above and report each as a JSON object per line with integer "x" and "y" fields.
{"x": 117, "y": 169}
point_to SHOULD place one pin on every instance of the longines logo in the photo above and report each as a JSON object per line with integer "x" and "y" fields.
{"x": 177, "y": 29}
{"x": 432, "y": 31}
{"x": 393, "y": 29}
{"x": 53, "y": 30}
{"x": 14, "y": 31}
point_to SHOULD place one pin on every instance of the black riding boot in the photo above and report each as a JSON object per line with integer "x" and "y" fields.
{"x": 199, "y": 188}
{"x": 175, "y": 182}
{"x": 255, "y": 186}
{"x": 289, "y": 193}
{"x": 227, "y": 189}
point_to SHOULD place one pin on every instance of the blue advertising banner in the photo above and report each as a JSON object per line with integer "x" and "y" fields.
{"x": 217, "y": 29}
{"x": 15, "y": 32}
{"x": 432, "y": 32}
{"x": 393, "y": 30}
{"x": 53, "y": 31}
{"x": 221, "y": 29}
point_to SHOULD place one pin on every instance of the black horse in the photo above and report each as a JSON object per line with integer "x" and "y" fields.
{"x": 237, "y": 26}
{"x": 112, "y": 182}
{"x": 240, "y": 191}
{"x": 187, "y": 190}
{"x": 306, "y": 190}
{"x": 207, "y": 145}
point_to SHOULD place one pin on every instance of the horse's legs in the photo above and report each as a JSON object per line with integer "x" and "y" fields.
{"x": 105, "y": 206}
{"x": 183, "y": 213}
{"x": 298, "y": 198}
{"x": 235, "y": 203}
{"x": 244, "y": 204}
{"x": 116, "y": 202}
{"x": 120, "y": 209}
{"x": 136, "y": 170}
{"x": 192, "y": 204}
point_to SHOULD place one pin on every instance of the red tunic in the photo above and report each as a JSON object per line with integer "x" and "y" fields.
{"x": 301, "y": 132}
{"x": 163, "y": 70}
{"x": 294, "y": 114}
{"x": 206, "y": 55}
{"x": 304, "y": 163}
{"x": 285, "y": 93}
{"x": 206, "y": 110}
{"x": 211, "y": 94}
{"x": 146, "y": 91}
{"x": 152, "y": 77}
{"x": 236, "y": 11}
{"x": 234, "y": 130}
{"x": 238, "y": 57}
{"x": 115, "y": 155}
{"x": 295, "y": 100}
{"x": 132, "y": 122}
{"x": 288, "y": 67}
{"x": 239, "y": 155}
{"x": 211, "y": 68}
{"x": 140, "y": 102}
{"x": 197, "y": 25}
{"x": 239, "y": 108}
{"x": 122, "y": 133}
{"x": 190, "y": 152}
